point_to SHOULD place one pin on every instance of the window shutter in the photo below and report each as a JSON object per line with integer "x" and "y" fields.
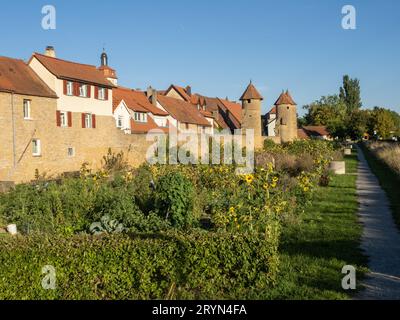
{"x": 89, "y": 89}
{"x": 106, "y": 94}
{"x": 96, "y": 92}
{"x": 65, "y": 87}
{"x": 94, "y": 121}
{"x": 83, "y": 120}
{"x": 70, "y": 119}
{"x": 58, "y": 118}
{"x": 76, "y": 89}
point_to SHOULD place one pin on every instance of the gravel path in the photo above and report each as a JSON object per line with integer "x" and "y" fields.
{"x": 381, "y": 238}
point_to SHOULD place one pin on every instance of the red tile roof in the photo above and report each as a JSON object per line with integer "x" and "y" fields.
{"x": 63, "y": 69}
{"x": 302, "y": 134}
{"x": 16, "y": 76}
{"x": 273, "y": 110}
{"x": 316, "y": 130}
{"x": 234, "y": 108}
{"x": 251, "y": 93}
{"x": 285, "y": 98}
{"x": 183, "y": 111}
{"x": 181, "y": 91}
{"x": 136, "y": 101}
{"x": 206, "y": 113}
{"x": 141, "y": 127}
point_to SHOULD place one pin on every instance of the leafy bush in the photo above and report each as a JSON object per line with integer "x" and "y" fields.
{"x": 174, "y": 199}
{"x": 200, "y": 265}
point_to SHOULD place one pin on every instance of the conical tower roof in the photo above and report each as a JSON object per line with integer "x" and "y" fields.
{"x": 285, "y": 98}
{"x": 251, "y": 93}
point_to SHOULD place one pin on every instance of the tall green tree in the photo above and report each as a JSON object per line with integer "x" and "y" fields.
{"x": 324, "y": 111}
{"x": 385, "y": 123}
{"x": 350, "y": 93}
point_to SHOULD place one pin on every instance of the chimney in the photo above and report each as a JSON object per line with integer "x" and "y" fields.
{"x": 50, "y": 52}
{"x": 189, "y": 90}
{"x": 154, "y": 98}
{"x": 149, "y": 92}
{"x": 152, "y": 95}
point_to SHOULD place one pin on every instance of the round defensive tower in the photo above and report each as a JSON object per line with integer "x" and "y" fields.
{"x": 286, "y": 118}
{"x": 251, "y": 113}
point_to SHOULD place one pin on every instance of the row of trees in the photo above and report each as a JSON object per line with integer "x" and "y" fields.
{"x": 344, "y": 117}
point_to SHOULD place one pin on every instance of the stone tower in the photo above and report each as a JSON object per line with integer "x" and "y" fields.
{"x": 286, "y": 118}
{"x": 251, "y": 113}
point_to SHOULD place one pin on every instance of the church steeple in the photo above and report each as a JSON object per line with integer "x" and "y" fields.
{"x": 108, "y": 72}
{"x": 104, "y": 59}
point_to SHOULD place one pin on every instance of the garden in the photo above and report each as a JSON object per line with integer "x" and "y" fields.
{"x": 175, "y": 231}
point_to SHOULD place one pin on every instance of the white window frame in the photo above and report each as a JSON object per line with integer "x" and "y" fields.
{"x": 36, "y": 148}
{"x": 88, "y": 120}
{"x": 120, "y": 121}
{"x": 70, "y": 88}
{"x": 101, "y": 93}
{"x": 141, "y": 117}
{"x": 83, "y": 91}
{"x": 27, "y": 109}
{"x": 64, "y": 119}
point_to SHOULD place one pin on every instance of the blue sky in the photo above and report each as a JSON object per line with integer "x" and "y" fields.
{"x": 218, "y": 46}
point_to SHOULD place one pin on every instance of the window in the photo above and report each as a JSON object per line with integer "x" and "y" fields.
{"x": 63, "y": 119}
{"x": 70, "y": 88}
{"x": 120, "y": 121}
{"x": 71, "y": 152}
{"x": 187, "y": 126}
{"x": 36, "y": 148}
{"x": 27, "y": 109}
{"x": 83, "y": 90}
{"x": 140, "y": 117}
{"x": 102, "y": 94}
{"x": 88, "y": 120}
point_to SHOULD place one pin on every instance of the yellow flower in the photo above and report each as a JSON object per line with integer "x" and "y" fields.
{"x": 249, "y": 178}
{"x": 266, "y": 186}
{"x": 275, "y": 179}
{"x": 231, "y": 210}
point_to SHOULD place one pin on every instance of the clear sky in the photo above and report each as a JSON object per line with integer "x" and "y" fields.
{"x": 217, "y": 46}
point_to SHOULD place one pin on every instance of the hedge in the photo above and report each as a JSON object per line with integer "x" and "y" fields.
{"x": 173, "y": 265}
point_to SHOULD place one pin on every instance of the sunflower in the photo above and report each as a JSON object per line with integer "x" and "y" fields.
{"x": 249, "y": 178}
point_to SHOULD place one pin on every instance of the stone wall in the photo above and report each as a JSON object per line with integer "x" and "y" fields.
{"x": 90, "y": 145}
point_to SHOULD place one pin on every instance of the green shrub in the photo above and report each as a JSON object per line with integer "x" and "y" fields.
{"x": 174, "y": 199}
{"x": 200, "y": 265}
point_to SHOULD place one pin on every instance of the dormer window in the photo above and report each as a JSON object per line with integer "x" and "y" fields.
{"x": 140, "y": 117}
